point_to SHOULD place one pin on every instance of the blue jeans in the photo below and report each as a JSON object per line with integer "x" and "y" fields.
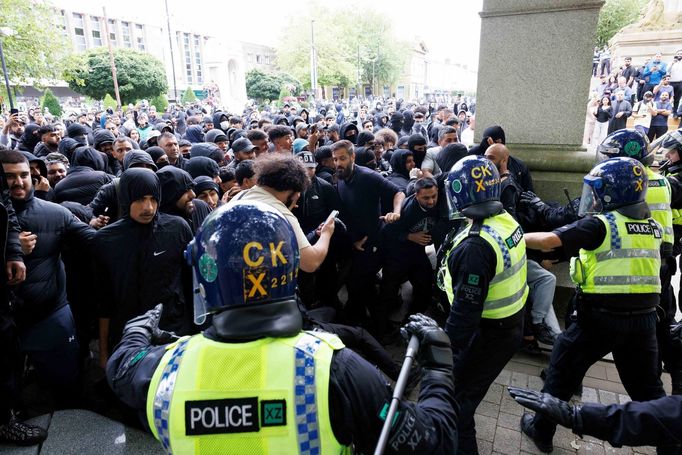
{"x": 542, "y": 284}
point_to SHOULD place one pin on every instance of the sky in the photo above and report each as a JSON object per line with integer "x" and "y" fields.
{"x": 449, "y": 28}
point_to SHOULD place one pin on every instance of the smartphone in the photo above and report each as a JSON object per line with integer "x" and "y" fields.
{"x": 333, "y": 215}
{"x": 13, "y": 111}
{"x": 313, "y": 128}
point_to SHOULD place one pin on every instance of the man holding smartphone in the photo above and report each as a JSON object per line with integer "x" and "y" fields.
{"x": 13, "y": 130}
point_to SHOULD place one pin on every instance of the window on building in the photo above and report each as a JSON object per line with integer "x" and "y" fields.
{"x": 139, "y": 36}
{"x": 96, "y": 31}
{"x": 188, "y": 58}
{"x": 79, "y": 31}
{"x": 258, "y": 58}
{"x": 197, "y": 59}
{"x": 250, "y": 58}
{"x": 112, "y": 31}
{"x": 63, "y": 25}
{"x": 125, "y": 32}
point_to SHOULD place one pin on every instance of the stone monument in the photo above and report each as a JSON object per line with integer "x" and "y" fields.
{"x": 659, "y": 29}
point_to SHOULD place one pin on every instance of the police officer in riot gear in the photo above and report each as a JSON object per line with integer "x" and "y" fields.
{"x": 615, "y": 265}
{"x": 671, "y": 147}
{"x": 657, "y": 422}
{"x": 631, "y": 143}
{"x": 253, "y": 381}
{"x": 484, "y": 277}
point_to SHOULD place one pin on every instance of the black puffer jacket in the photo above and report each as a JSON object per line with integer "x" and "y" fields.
{"x": 44, "y": 290}
{"x": 84, "y": 179}
{"x": 141, "y": 265}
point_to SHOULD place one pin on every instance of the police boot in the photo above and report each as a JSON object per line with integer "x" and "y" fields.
{"x": 543, "y": 444}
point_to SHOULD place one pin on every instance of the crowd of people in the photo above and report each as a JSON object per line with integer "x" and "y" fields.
{"x": 649, "y": 94}
{"x": 102, "y": 209}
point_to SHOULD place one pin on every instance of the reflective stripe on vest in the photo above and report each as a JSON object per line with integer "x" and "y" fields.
{"x": 625, "y": 263}
{"x": 677, "y": 213}
{"x": 266, "y": 396}
{"x": 507, "y": 291}
{"x": 658, "y": 198}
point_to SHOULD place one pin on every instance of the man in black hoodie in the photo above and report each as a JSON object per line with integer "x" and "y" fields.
{"x": 139, "y": 262}
{"x": 405, "y": 240}
{"x": 84, "y": 178}
{"x": 42, "y": 313}
{"x": 104, "y": 142}
{"x": 517, "y": 168}
{"x": 12, "y": 430}
{"x": 178, "y": 198}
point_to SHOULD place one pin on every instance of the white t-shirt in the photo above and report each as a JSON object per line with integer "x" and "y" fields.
{"x": 261, "y": 195}
{"x": 642, "y": 109}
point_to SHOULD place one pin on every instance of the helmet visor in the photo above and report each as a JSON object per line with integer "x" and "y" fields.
{"x": 668, "y": 143}
{"x": 590, "y": 204}
{"x": 453, "y": 210}
{"x": 200, "y": 307}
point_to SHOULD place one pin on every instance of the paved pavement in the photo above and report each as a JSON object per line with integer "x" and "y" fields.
{"x": 497, "y": 418}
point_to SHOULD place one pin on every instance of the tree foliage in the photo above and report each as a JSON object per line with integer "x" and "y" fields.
{"x": 616, "y": 14}
{"x": 51, "y": 102}
{"x": 109, "y": 102}
{"x": 140, "y": 75}
{"x": 36, "y": 49}
{"x": 346, "y": 40}
{"x": 160, "y": 102}
{"x": 270, "y": 86}
{"x": 188, "y": 96}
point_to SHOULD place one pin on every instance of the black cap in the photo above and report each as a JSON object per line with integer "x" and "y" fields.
{"x": 242, "y": 145}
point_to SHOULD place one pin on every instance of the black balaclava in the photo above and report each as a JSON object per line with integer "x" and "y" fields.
{"x": 209, "y": 150}
{"x": 135, "y": 184}
{"x": 364, "y": 137}
{"x": 89, "y": 157}
{"x": 449, "y": 155}
{"x": 412, "y": 142}
{"x": 365, "y": 157}
{"x": 135, "y": 157}
{"x": 201, "y": 165}
{"x": 174, "y": 183}
{"x": 398, "y": 162}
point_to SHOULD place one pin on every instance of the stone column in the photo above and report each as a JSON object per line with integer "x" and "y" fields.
{"x": 534, "y": 73}
{"x": 534, "y": 69}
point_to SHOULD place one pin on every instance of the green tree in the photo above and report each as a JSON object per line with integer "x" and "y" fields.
{"x": 36, "y": 48}
{"x": 189, "y": 96}
{"x": 140, "y": 75}
{"x": 160, "y": 102}
{"x": 338, "y": 37}
{"x": 262, "y": 86}
{"x": 49, "y": 101}
{"x": 109, "y": 102}
{"x": 616, "y": 14}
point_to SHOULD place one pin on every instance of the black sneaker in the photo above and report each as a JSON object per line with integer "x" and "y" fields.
{"x": 530, "y": 347}
{"x": 529, "y": 430}
{"x": 544, "y": 334}
{"x": 22, "y": 434}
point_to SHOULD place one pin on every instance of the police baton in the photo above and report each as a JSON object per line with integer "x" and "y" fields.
{"x": 412, "y": 349}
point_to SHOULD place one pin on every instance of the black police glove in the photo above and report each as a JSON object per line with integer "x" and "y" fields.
{"x": 556, "y": 410}
{"x": 676, "y": 333}
{"x": 148, "y": 325}
{"x": 531, "y": 199}
{"x": 434, "y": 343}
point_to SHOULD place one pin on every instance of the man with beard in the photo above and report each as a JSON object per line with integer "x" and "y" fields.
{"x": 178, "y": 197}
{"x": 12, "y": 131}
{"x": 280, "y": 182}
{"x": 140, "y": 263}
{"x": 169, "y": 143}
{"x": 57, "y": 165}
{"x": 42, "y": 313}
{"x": 49, "y": 141}
{"x": 362, "y": 193}
{"x": 446, "y": 135}
{"x": 406, "y": 257}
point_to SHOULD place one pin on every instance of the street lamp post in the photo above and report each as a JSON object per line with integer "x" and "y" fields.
{"x": 6, "y": 31}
